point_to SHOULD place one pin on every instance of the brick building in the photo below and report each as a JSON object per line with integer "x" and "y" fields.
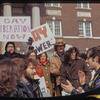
{"x": 77, "y": 23}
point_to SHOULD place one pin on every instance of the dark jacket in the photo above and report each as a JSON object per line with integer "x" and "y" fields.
{"x": 95, "y": 84}
{"x": 70, "y": 72}
{"x": 22, "y": 91}
{"x": 11, "y": 55}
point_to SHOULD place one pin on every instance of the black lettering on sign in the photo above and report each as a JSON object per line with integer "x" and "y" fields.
{"x": 39, "y": 48}
{"x": 43, "y": 46}
{"x": 48, "y": 44}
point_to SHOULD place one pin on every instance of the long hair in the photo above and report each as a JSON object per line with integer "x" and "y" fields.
{"x": 18, "y": 61}
{"x": 9, "y": 76}
{"x": 68, "y": 54}
{"x": 94, "y": 51}
{"x": 25, "y": 63}
{"x": 29, "y": 53}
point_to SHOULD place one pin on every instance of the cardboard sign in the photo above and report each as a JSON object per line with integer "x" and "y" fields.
{"x": 42, "y": 39}
{"x": 43, "y": 85}
{"x": 15, "y": 28}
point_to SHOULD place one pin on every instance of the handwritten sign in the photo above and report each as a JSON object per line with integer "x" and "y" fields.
{"x": 42, "y": 38}
{"x": 43, "y": 85}
{"x": 15, "y": 28}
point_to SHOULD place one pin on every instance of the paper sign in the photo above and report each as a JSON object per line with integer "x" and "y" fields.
{"x": 42, "y": 39}
{"x": 43, "y": 85}
{"x": 15, "y": 28}
{"x": 64, "y": 93}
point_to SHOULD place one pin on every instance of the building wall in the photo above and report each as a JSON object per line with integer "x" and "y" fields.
{"x": 95, "y": 19}
{"x": 69, "y": 21}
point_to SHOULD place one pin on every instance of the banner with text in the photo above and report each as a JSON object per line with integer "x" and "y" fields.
{"x": 15, "y": 28}
{"x": 42, "y": 38}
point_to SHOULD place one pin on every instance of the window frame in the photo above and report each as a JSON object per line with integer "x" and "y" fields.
{"x": 53, "y": 27}
{"x": 18, "y": 13}
{"x": 82, "y": 7}
{"x": 84, "y": 28}
{"x": 52, "y": 5}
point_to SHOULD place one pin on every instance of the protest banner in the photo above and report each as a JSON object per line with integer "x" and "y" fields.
{"x": 15, "y": 28}
{"x": 42, "y": 38}
{"x": 42, "y": 85}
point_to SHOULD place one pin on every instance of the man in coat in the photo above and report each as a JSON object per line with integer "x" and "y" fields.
{"x": 93, "y": 59}
{"x": 27, "y": 87}
{"x": 56, "y": 61}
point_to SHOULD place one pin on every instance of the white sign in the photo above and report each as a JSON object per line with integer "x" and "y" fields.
{"x": 43, "y": 85}
{"x": 15, "y": 28}
{"x": 64, "y": 93}
{"x": 42, "y": 39}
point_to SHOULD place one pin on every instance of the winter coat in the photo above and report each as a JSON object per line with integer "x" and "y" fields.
{"x": 22, "y": 90}
{"x": 46, "y": 72}
{"x": 11, "y": 55}
{"x": 39, "y": 72}
{"x": 70, "y": 72}
{"x": 55, "y": 65}
{"x": 95, "y": 84}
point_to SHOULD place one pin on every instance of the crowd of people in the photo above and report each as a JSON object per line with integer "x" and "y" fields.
{"x": 67, "y": 71}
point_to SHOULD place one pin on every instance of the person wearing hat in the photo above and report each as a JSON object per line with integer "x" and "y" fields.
{"x": 55, "y": 63}
{"x": 10, "y": 52}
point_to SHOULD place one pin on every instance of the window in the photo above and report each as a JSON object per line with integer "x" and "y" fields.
{"x": 55, "y": 26}
{"x": 83, "y": 5}
{"x": 85, "y": 29}
{"x": 18, "y": 10}
{"x": 52, "y": 4}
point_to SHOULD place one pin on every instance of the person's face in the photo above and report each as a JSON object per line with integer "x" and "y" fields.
{"x": 32, "y": 56}
{"x": 73, "y": 55}
{"x": 90, "y": 62}
{"x": 43, "y": 57}
{"x": 10, "y": 48}
{"x": 60, "y": 48}
{"x": 30, "y": 71}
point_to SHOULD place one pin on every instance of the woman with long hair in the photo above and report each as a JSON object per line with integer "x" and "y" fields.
{"x": 9, "y": 76}
{"x": 69, "y": 69}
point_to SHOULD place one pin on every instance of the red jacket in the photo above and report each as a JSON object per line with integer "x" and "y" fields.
{"x": 39, "y": 72}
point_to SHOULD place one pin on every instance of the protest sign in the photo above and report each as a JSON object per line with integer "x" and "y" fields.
{"x": 15, "y": 28}
{"x": 43, "y": 85}
{"x": 42, "y": 38}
